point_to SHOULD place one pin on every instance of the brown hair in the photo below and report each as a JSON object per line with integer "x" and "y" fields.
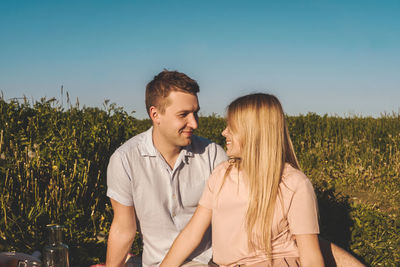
{"x": 163, "y": 84}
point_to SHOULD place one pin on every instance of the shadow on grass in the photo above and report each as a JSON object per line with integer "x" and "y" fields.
{"x": 335, "y": 222}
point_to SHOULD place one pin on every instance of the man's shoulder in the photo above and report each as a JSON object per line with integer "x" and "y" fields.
{"x": 132, "y": 144}
{"x": 201, "y": 140}
{"x": 202, "y": 145}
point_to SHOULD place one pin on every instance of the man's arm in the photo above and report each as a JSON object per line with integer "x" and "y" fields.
{"x": 122, "y": 233}
{"x": 335, "y": 256}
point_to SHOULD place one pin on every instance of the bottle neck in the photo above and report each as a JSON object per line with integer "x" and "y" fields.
{"x": 55, "y": 235}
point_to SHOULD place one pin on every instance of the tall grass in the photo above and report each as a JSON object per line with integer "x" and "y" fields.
{"x": 53, "y": 164}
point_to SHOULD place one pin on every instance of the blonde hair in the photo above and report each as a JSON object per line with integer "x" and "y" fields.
{"x": 265, "y": 146}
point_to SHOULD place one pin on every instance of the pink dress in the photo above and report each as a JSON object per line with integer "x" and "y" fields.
{"x": 295, "y": 213}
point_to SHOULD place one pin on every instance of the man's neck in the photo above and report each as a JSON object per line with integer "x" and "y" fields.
{"x": 169, "y": 152}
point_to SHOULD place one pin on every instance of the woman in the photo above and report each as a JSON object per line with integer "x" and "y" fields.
{"x": 262, "y": 208}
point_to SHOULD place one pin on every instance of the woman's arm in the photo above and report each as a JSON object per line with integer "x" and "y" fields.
{"x": 309, "y": 250}
{"x": 189, "y": 238}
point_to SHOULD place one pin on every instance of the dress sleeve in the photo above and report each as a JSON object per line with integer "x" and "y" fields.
{"x": 303, "y": 211}
{"x": 119, "y": 185}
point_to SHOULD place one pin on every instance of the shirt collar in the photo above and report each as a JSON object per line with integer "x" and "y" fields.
{"x": 147, "y": 147}
{"x": 188, "y": 150}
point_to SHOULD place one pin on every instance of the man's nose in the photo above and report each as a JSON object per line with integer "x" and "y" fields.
{"x": 192, "y": 121}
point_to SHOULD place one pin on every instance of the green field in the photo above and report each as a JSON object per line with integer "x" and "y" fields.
{"x": 53, "y": 162}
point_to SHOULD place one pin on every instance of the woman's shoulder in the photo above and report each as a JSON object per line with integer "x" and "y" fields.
{"x": 223, "y": 170}
{"x": 293, "y": 177}
{"x": 222, "y": 167}
{"x": 217, "y": 176}
{"x": 219, "y": 170}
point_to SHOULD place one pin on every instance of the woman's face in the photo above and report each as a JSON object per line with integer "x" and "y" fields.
{"x": 232, "y": 143}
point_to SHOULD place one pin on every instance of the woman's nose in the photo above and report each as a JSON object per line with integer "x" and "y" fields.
{"x": 224, "y": 132}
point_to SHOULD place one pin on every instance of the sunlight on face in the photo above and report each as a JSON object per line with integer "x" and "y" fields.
{"x": 232, "y": 143}
{"x": 180, "y": 119}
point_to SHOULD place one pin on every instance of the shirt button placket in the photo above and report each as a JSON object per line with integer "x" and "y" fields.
{"x": 174, "y": 198}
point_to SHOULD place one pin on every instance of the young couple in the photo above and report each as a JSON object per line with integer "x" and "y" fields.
{"x": 173, "y": 185}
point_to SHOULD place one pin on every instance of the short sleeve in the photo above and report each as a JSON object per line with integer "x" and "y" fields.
{"x": 303, "y": 211}
{"x": 119, "y": 181}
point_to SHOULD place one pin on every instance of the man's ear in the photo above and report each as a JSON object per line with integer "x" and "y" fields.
{"x": 154, "y": 115}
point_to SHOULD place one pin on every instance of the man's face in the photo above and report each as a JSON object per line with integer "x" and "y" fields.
{"x": 177, "y": 123}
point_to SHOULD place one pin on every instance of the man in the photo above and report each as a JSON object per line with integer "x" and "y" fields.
{"x": 157, "y": 177}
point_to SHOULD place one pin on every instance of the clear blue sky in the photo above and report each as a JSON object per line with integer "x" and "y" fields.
{"x": 328, "y": 57}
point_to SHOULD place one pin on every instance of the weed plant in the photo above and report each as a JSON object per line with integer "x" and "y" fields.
{"x": 53, "y": 163}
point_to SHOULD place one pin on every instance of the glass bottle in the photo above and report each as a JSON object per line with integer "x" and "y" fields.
{"x": 55, "y": 253}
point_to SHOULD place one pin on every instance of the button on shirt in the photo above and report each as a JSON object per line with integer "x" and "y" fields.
{"x": 164, "y": 198}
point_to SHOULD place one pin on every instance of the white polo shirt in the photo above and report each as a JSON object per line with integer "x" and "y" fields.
{"x": 164, "y": 198}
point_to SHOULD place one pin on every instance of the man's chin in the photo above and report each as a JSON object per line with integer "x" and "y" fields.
{"x": 187, "y": 141}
